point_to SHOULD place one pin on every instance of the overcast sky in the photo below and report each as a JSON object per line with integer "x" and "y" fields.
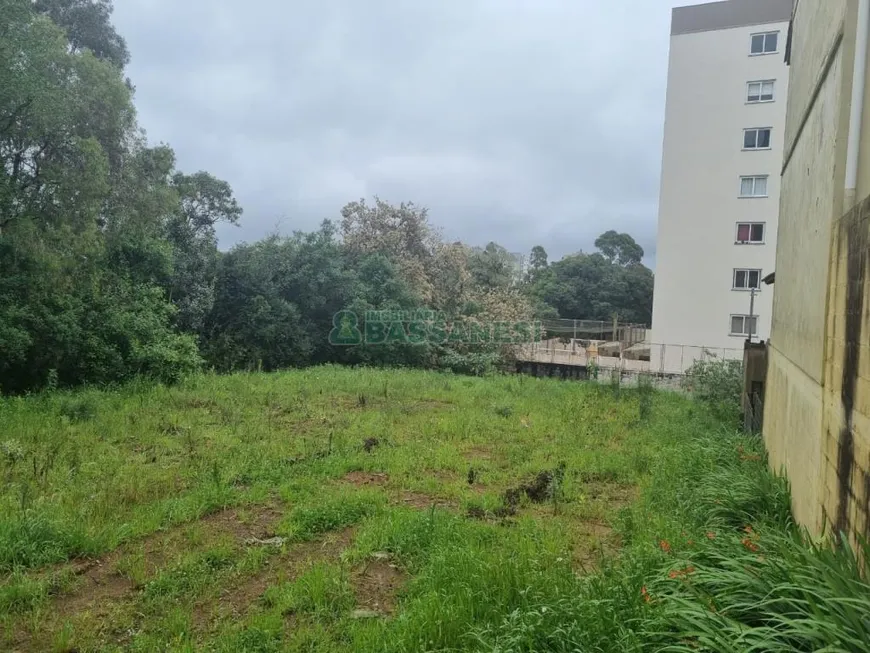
{"x": 521, "y": 121}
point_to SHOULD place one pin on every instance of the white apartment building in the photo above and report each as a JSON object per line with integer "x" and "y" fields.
{"x": 721, "y": 163}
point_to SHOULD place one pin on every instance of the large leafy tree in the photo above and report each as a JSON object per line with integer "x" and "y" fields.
{"x": 87, "y": 24}
{"x": 492, "y": 266}
{"x": 85, "y": 209}
{"x": 619, "y": 248}
{"x": 204, "y": 201}
{"x": 538, "y": 263}
{"x": 255, "y": 322}
{"x": 595, "y": 286}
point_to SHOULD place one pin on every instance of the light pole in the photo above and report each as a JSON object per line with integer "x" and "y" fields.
{"x": 751, "y": 313}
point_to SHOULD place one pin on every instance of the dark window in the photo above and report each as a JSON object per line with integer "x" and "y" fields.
{"x": 765, "y": 43}
{"x": 754, "y": 278}
{"x": 756, "y": 139}
{"x": 770, "y": 41}
{"x": 758, "y": 44}
{"x": 747, "y": 279}
{"x": 757, "y": 233}
{"x": 749, "y": 139}
{"x": 750, "y": 232}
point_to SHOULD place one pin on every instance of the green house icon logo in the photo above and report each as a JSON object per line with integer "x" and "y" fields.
{"x": 345, "y": 329}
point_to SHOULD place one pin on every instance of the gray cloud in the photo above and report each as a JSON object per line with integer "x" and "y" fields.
{"x": 515, "y": 121}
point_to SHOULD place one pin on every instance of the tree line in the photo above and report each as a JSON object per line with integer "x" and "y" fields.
{"x": 109, "y": 261}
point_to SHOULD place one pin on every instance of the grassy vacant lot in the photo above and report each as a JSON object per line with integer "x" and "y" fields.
{"x": 357, "y": 510}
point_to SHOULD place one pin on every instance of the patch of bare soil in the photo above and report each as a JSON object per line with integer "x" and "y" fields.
{"x": 443, "y": 475}
{"x": 421, "y": 500}
{"x": 598, "y": 540}
{"x": 239, "y": 524}
{"x": 616, "y": 495}
{"x": 236, "y": 601}
{"x": 360, "y": 479}
{"x": 101, "y": 585}
{"x": 376, "y": 586}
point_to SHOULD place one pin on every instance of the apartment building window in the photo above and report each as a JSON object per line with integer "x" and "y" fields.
{"x": 759, "y": 91}
{"x": 750, "y": 233}
{"x": 755, "y": 186}
{"x": 746, "y": 279}
{"x": 744, "y": 325}
{"x": 763, "y": 43}
{"x": 756, "y": 138}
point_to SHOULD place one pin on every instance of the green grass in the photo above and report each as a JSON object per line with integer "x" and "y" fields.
{"x": 665, "y": 532}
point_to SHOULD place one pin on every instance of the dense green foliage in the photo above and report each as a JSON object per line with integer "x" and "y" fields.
{"x": 595, "y": 286}
{"x": 87, "y": 211}
{"x": 719, "y": 384}
{"x": 109, "y": 265}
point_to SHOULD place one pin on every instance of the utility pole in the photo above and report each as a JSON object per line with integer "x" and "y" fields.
{"x": 751, "y": 314}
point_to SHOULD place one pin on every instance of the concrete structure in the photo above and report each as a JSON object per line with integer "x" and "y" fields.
{"x": 723, "y": 148}
{"x": 817, "y": 403}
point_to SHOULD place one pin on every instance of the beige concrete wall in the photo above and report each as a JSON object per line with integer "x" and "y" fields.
{"x": 810, "y": 47}
{"x": 812, "y": 191}
{"x": 811, "y": 186}
{"x": 792, "y": 427}
{"x": 817, "y": 413}
{"x": 845, "y": 461}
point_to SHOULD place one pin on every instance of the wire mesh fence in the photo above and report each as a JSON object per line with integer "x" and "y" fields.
{"x": 612, "y": 331}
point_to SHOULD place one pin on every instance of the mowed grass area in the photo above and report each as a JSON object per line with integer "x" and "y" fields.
{"x": 333, "y": 509}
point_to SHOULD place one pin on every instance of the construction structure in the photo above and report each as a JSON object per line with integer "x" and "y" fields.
{"x": 570, "y": 348}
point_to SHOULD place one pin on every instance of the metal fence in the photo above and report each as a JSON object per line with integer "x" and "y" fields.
{"x": 563, "y": 329}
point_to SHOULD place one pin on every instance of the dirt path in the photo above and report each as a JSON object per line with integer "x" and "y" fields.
{"x": 105, "y": 582}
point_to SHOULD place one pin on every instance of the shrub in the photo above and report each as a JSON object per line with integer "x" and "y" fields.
{"x": 719, "y": 384}
{"x": 471, "y": 363}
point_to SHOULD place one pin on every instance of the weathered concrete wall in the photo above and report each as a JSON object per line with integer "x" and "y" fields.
{"x": 792, "y": 426}
{"x": 817, "y": 413}
{"x": 846, "y": 455}
{"x": 818, "y": 24}
{"x": 812, "y": 183}
{"x": 811, "y": 197}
